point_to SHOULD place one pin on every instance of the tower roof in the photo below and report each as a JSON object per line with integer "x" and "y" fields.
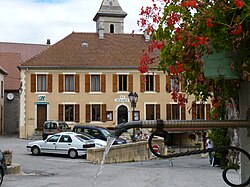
{"x": 110, "y": 8}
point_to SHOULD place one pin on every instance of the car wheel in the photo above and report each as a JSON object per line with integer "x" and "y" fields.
{"x": 72, "y": 153}
{"x": 35, "y": 150}
{"x": 1, "y": 176}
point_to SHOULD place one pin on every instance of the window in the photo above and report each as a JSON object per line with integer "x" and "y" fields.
{"x": 173, "y": 111}
{"x": 69, "y": 112}
{"x": 65, "y": 138}
{"x": 174, "y": 83}
{"x": 41, "y": 83}
{"x": 53, "y": 138}
{"x": 112, "y": 28}
{"x": 200, "y": 111}
{"x": 96, "y": 112}
{"x": 69, "y": 83}
{"x": 123, "y": 82}
{"x": 152, "y": 111}
{"x": 95, "y": 83}
{"x": 149, "y": 82}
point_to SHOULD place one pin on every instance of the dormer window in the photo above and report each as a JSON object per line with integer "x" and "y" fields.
{"x": 112, "y": 28}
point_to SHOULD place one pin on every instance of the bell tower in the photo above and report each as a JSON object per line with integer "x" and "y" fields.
{"x": 109, "y": 18}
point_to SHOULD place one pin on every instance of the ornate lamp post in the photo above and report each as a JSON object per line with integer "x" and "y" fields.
{"x": 133, "y": 98}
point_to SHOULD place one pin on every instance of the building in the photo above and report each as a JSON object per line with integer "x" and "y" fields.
{"x": 85, "y": 78}
{"x": 3, "y": 73}
{"x": 11, "y": 56}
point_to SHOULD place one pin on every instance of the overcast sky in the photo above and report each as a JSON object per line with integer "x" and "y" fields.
{"x": 35, "y": 21}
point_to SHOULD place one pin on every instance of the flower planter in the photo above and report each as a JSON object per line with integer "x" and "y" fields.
{"x": 8, "y": 159}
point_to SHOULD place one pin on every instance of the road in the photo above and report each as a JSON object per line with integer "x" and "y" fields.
{"x": 55, "y": 171}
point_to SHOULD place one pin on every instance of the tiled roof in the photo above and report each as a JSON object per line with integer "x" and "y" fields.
{"x": 86, "y": 50}
{"x": 10, "y": 61}
{"x": 26, "y": 50}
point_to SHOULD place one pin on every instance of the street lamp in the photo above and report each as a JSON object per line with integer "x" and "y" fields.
{"x": 133, "y": 98}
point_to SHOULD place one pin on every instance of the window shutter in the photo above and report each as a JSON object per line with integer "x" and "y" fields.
{"x": 61, "y": 83}
{"x": 142, "y": 79}
{"x": 157, "y": 83}
{"x": 33, "y": 82}
{"x": 103, "y": 83}
{"x": 77, "y": 112}
{"x": 115, "y": 76}
{"x": 183, "y": 112}
{"x": 104, "y": 113}
{"x": 87, "y": 83}
{"x": 77, "y": 83}
{"x": 60, "y": 112}
{"x": 208, "y": 107}
{"x": 168, "y": 83}
{"x": 168, "y": 108}
{"x": 158, "y": 111}
{"x": 49, "y": 82}
{"x": 130, "y": 82}
{"x": 194, "y": 116}
{"x": 87, "y": 113}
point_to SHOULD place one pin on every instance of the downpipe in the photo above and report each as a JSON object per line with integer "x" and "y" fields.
{"x": 160, "y": 125}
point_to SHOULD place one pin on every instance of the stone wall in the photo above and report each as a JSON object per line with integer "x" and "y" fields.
{"x": 124, "y": 153}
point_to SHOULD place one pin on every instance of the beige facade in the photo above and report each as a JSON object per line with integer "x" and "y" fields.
{"x": 77, "y": 106}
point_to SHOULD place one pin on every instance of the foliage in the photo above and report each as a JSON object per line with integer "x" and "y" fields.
{"x": 186, "y": 30}
{"x": 220, "y": 138}
{"x": 7, "y": 151}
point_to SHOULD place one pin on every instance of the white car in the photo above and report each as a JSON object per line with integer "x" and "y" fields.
{"x": 98, "y": 142}
{"x": 68, "y": 143}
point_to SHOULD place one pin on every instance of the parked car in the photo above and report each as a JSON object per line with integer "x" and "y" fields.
{"x": 52, "y": 127}
{"x": 2, "y": 167}
{"x": 68, "y": 143}
{"x": 98, "y": 142}
{"x": 97, "y": 132}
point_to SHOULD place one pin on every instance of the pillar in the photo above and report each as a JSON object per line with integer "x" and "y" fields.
{"x": 244, "y": 96}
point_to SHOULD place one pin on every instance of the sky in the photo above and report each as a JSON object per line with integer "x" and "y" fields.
{"x": 35, "y": 21}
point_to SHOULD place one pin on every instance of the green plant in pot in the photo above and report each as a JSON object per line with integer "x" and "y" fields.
{"x": 8, "y": 156}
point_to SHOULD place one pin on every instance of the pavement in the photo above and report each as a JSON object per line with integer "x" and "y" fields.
{"x": 55, "y": 171}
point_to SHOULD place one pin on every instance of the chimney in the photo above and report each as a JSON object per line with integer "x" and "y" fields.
{"x": 146, "y": 35}
{"x": 48, "y": 42}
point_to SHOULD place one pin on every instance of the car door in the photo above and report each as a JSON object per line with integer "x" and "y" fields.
{"x": 64, "y": 144}
{"x": 49, "y": 145}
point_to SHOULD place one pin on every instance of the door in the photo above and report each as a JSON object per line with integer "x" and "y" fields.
{"x": 41, "y": 116}
{"x": 122, "y": 114}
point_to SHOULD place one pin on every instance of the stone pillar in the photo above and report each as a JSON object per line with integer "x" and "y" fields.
{"x": 244, "y": 96}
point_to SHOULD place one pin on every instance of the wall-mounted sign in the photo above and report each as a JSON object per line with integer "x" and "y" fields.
{"x": 122, "y": 99}
{"x": 41, "y": 98}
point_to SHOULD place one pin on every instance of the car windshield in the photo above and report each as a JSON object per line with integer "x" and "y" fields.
{"x": 105, "y": 132}
{"x": 82, "y": 138}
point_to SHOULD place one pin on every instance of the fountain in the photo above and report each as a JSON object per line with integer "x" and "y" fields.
{"x": 159, "y": 125}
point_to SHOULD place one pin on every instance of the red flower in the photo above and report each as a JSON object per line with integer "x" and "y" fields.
{"x": 239, "y": 3}
{"x": 143, "y": 68}
{"x": 209, "y": 22}
{"x": 237, "y": 29}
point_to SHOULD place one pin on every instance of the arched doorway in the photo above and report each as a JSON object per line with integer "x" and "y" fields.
{"x": 122, "y": 114}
